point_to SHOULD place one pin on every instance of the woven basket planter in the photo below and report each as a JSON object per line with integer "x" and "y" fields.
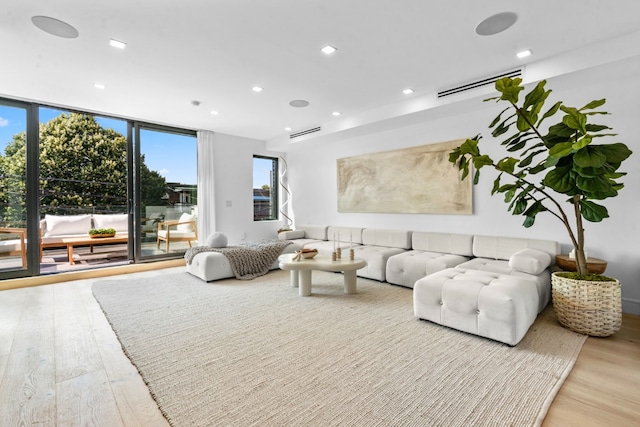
{"x": 591, "y": 308}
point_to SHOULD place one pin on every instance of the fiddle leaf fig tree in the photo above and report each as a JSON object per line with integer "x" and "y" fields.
{"x": 541, "y": 167}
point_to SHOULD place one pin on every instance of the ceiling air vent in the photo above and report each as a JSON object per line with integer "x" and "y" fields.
{"x": 479, "y": 83}
{"x": 305, "y": 132}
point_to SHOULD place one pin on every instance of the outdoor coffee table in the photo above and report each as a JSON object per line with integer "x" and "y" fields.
{"x": 301, "y": 271}
{"x": 70, "y": 242}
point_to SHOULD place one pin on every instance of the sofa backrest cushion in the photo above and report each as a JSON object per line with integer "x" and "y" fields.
{"x": 119, "y": 222}
{"x": 503, "y": 247}
{"x": 446, "y": 243}
{"x": 291, "y": 234}
{"x": 345, "y": 234}
{"x": 60, "y": 225}
{"x": 318, "y": 232}
{"x": 530, "y": 261}
{"x": 389, "y": 238}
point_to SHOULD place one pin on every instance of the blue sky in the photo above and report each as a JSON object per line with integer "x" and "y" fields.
{"x": 172, "y": 156}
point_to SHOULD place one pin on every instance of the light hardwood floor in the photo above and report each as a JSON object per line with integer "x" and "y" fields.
{"x": 61, "y": 365}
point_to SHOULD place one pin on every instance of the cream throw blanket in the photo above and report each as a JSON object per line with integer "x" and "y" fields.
{"x": 248, "y": 260}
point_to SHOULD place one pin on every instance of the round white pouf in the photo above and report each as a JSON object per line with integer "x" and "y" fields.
{"x": 217, "y": 240}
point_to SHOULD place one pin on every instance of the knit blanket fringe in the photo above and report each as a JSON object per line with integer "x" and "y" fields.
{"x": 248, "y": 260}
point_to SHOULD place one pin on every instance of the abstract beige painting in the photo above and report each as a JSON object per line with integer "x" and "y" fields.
{"x": 411, "y": 180}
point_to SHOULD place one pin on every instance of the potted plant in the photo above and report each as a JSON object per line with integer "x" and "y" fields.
{"x": 541, "y": 167}
{"x": 95, "y": 233}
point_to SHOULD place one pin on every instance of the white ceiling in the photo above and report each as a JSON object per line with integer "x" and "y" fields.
{"x": 215, "y": 51}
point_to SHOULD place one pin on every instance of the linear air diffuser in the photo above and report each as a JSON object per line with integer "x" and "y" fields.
{"x": 479, "y": 83}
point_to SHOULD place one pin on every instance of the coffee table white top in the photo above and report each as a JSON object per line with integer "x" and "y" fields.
{"x": 323, "y": 263}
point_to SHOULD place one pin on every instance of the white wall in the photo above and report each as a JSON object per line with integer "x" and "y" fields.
{"x": 233, "y": 159}
{"x": 312, "y": 172}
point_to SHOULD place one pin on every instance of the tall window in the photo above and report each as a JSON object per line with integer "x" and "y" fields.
{"x": 265, "y": 188}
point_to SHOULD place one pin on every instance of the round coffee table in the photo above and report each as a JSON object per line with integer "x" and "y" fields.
{"x": 301, "y": 271}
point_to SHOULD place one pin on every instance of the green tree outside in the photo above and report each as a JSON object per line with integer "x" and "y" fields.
{"x": 83, "y": 169}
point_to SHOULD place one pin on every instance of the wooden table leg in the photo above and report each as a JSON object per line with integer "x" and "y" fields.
{"x": 350, "y": 282}
{"x": 305, "y": 283}
{"x": 70, "y": 253}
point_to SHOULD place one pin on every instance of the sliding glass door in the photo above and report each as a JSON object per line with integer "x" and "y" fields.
{"x": 14, "y": 243}
{"x": 166, "y": 192}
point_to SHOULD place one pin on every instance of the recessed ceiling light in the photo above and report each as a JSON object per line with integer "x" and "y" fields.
{"x": 195, "y": 103}
{"x": 117, "y": 44}
{"x": 496, "y": 23}
{"x": 328, "y": 49}
{"x": 214, "y": 112}
{"x": 336, "y": 113}
{"x": 408, "y": 91}
{"x": 256, "y": 89}
{"x": 99, "y": 85}
{"x": 524, "y": 53}
{"x": 54, "y": 27}
{"x": 288, "y": 129}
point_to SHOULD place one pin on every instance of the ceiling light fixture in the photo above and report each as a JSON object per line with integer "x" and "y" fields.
{"x": 99, "y": 85}
{"x": 524, "y": 53}
{"x": 336, "y": 113}
{"x": 54, "y": 27}
{"x": 256, "y": 89}
{"x": 288, "y": 129}
{"x": 117, "y": 44}
{"x": 496, "y": 23}
{"x": 195, "y": 103}
{"x": 408, "y": 91}
{"x": 328, "y": 49}
{"x": 214, "y": 112}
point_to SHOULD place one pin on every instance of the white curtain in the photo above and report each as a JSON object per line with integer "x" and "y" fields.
{"x": 206, "y": 186}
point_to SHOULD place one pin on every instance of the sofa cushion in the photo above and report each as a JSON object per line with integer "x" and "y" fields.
{"x": 292, "y": 234}
{"x": 346, "y": 235}
{"x": 530, "y": 261}
{"x": 57, "y": 225}
{"x": 446, "y": 243}
{"x": 503, "y": 247}
{"x": 119, "y": 222}
{"x": 316, "y": 232}
{"x": 407, "y": 267}
{"x": 388, "y": 238}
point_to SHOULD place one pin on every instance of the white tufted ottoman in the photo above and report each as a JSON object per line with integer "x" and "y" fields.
{"x": 491, "y": 305}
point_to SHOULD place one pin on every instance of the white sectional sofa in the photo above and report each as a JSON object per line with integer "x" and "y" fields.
{"x": 490, "y": 286}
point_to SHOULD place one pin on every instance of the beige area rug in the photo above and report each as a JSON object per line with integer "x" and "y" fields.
{"x": 244, "y": 353}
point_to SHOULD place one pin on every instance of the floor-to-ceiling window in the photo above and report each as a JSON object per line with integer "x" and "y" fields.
{"x": 60, "y": 167}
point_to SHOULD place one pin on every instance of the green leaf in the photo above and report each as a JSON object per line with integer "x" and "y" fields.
{"x": 470, "y": 146}
{"x": 593, "y": 212}
{"x": 560, "y": 179}
{"x": 582, "y": 142}
{"x": 590, "y": 157}
{"x": 507, "y": 164}
{"x": 508, "y": 196}
{"x": 481, "y": 161}
{"x": 574, "y": 119}
{"x": 561, "y": 150}
{"x": 616, "y": 153}
{"x": 596, "y": 184}
{"x": 596, "y": 128}
{"x": 527, "y": 160}
{"x": 496, "y": 185}
{"x": 509, "y": 88}
{"x": 594, "y": 104}
{"x": 550, "y": 112}
{"x": 498, "y": 118}
{"x": 519, "y": 146}
{"x": 519, "y": 207}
